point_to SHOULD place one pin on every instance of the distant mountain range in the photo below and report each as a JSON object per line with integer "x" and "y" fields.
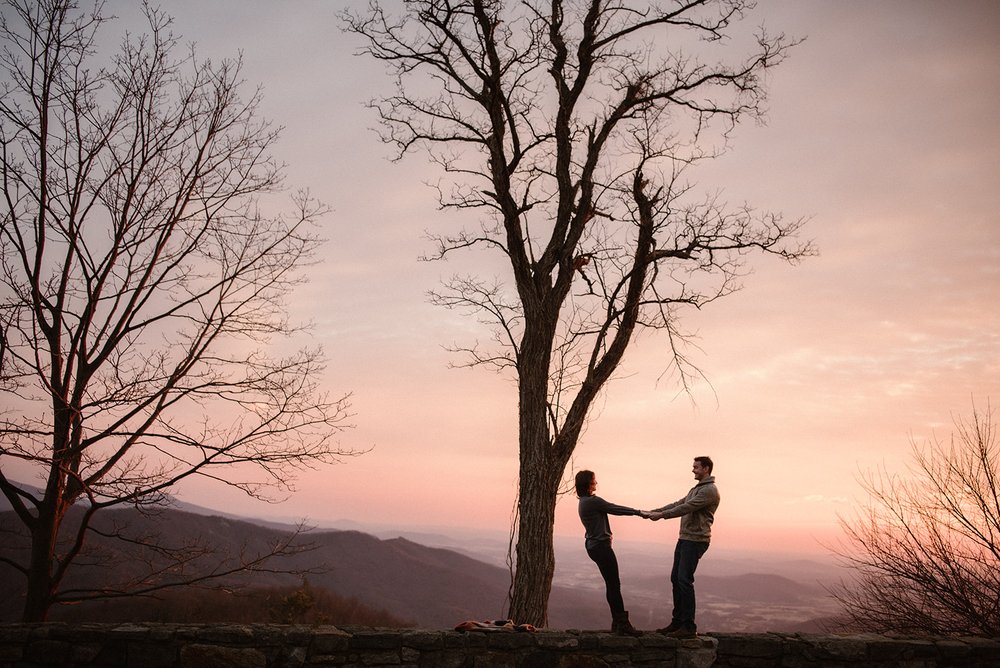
{"x": 432, "y": 587}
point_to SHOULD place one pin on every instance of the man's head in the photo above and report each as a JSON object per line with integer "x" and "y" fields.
{"x": 702, "y": 467}
{"x": 585, "y": 483}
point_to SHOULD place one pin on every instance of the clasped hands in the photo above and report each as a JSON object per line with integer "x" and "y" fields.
{"x": 650, "y": 515}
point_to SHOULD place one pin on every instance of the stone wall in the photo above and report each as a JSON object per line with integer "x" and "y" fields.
{"x": 272, "y": 646}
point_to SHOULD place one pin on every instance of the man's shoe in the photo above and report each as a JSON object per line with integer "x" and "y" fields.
{"x": 669, "y": 628}
{"x": 683, "y": 632}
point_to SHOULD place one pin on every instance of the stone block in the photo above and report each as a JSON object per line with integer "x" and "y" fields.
{"x": 14, "y": 633}
{"x": 376, "y": 640}
{"x": 539, "y": 658}
{"x": 697, "y": 657}
{"x": 227, "y": 634}
{"x": 184, "y": 632}
{"x": 49, "y": 652}
{"x": 215, "y": 656}
{"x": 577, "y": 660}
{"x": 587, "y": 641}
{"x": 882, "y": 649}
{"x": 846, "y": 649}
{"x": 617, "y": 659}
{"x": 984, "y": 651}
{"x": 130, "y": 631}
{"x": 920, "y": 649}
{"x": 465, "y": 639}
{"x": 802, "y": 650}
{"x": 329, "y": 640}
{"x": 510, "y": 640}
{"x": 11, "y": 652}
{"x": 86, "y": 653}
{"x": 618, "y": 642}
{"x": 380, "y": 658}
{"x": 953, "y": 650}
{"x": 112, "y": 654}
{"x": 290, "y": 657}
{"x": 493, "y": 660}
{"x": 656, "y": 640}
{"x": 649, "y": 656}
{"x": 423, "y": 639}
{"x": 757, "y": 646}
{"x": 150, "y": 655}
{"x": 296, "y": 634}
{"x": 557, "y": 640}
{"x": 443, "y": 659}
{"x": 330, "y": 660}
{"x": 161, "y": 633}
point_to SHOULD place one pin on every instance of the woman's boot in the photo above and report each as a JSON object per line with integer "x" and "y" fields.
{"x": 621, "y": 626}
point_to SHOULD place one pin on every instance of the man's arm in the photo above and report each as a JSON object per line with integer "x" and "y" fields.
{"x": 701, "y": 498}
{"x": 668, "y": 506}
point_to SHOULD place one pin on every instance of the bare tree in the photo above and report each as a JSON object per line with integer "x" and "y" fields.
{"x": 142, "y": 284}
{"x": 570, "y": 128}
{"x": 925, "y": 549}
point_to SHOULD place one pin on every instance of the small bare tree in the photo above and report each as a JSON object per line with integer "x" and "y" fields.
{"x": 141, "y": 283}
{"x": 570, "y": 124}
{"x": 925, "y": 550}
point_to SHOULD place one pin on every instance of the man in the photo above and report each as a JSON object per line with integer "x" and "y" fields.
{"x": 697, "y": 512}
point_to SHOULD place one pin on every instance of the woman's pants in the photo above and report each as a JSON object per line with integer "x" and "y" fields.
{"x": 604, "y": 557}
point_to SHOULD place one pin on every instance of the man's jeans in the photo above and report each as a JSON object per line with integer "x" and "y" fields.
{"x": 686, "y": 556}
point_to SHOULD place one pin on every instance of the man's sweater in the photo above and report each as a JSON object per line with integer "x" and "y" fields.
{"x": 696, "y": 510}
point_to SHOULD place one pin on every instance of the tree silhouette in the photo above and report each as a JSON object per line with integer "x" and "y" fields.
{"x": 571, "y": 127}
{"x": 141, "y": 283}
{"x": 925, "y": 549}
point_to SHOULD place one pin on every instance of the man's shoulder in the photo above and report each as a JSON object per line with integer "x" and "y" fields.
{"x": 708, "y": 486}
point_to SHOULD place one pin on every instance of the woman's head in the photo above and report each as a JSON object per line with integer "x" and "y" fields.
{"x": 584, "y": 479}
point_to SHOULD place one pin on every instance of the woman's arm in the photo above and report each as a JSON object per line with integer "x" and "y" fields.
{"x": 615, "y": 509}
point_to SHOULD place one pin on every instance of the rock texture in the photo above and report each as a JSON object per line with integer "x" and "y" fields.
{"x": 273, "y": 646}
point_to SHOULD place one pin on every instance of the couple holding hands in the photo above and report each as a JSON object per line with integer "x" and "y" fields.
{"x": 697, "y": 512}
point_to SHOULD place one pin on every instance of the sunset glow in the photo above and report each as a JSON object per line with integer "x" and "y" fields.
{"x": 882, "y": 131}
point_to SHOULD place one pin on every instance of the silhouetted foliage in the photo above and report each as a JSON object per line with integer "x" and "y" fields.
{"x": 293, "y": 607}
{"x": 304, "y": 604}
{"x": 142, "y": 285}
{"x": 926, "y": 548}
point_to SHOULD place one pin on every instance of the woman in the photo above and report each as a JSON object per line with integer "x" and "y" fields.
{"x": 594, "y": 513}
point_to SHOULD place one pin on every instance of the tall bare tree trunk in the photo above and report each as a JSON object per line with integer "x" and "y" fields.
{"x": 38, "y": 596}
{"x": 541, "y": 469}
{"x": 535, "y": 554}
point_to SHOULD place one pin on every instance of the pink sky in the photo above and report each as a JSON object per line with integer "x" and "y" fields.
{"x": 883, "y": 129}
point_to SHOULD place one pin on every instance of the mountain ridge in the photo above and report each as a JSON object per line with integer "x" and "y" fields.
{"x": 437, "y": 587}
